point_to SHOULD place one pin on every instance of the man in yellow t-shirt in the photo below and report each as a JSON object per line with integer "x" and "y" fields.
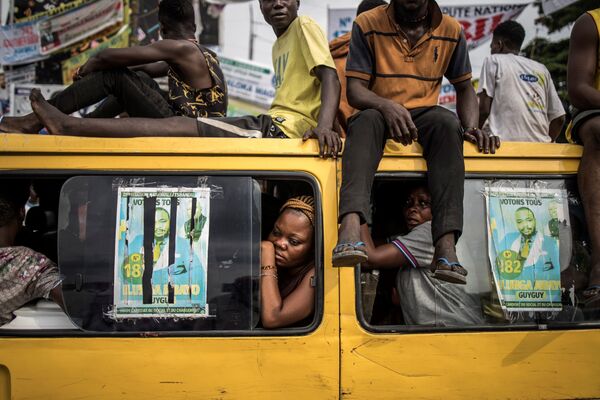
{"x": 306, "y": 98}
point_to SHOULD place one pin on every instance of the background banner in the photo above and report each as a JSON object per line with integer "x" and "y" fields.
{"x": 20, "y": 43}
{"x": 248, "y": 81}
{"x": 524, "y": 246}
{"x": 65, "y": 29}
{"x": 161, "y": 252}
{"x": 69, "y": 66}
{"x": 339, "y": 21}
{"x": 478, "y": 21}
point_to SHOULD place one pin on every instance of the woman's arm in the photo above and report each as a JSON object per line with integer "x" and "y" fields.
{"x": 276, "y": 312}
{"x": 385, "y": 256}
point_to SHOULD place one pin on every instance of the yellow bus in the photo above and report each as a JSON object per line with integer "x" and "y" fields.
{"x": 356, "y": 346}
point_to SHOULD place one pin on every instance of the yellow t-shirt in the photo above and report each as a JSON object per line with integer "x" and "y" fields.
{"x": 296, "y": 53}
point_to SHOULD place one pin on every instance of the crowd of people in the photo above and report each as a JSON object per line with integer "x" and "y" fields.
{"x": 386, "y": 86}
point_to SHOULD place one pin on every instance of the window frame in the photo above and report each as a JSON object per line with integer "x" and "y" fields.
{"x": 254, "y": 174}
{"x": 415, "y": 329}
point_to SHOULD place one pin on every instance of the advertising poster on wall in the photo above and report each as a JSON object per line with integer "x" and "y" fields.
{"x": 20, "y": 43}
{"x": 65, "y": 29}
{"x": 248, "y": 81}
{"x": 161, "y": 252}
{"x": 28, "y": 10}
{"x": 339, "y": 21}
{"x": 524, "y": 246}
{"x": 70, "y": 65}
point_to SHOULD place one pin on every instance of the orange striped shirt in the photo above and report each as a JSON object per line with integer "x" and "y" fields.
{"x": 412, "y": 76}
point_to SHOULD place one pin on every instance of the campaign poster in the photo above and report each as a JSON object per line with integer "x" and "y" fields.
{"x": 161, "y": 252}
{"x": 65, "y": 29}
{"x": 524, "y": 246}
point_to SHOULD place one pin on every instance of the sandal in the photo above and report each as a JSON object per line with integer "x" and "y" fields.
{"x": 345, "y": 254}
{"x": 451, "y": 272}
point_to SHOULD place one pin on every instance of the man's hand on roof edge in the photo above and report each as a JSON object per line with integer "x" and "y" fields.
{"x": 330, "y": 143}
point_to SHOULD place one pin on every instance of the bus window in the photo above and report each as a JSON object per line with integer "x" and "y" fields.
{"x": 201, "y": 234}
{"x": 523, "y": 243}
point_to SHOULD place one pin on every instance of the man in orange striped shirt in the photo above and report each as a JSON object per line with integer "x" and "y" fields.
{"x": 398, "y": 56}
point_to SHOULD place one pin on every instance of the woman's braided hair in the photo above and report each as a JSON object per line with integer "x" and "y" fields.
{"x": 304, "y": 204}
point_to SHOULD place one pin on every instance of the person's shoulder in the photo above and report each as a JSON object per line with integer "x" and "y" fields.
{"x": 372, "y": 18}
{"x": 450, "y": 26}
{"x": 422, "y": 231}
{"x": 306, "y": 22}
{"x": 24, "y": 254}
{"x": 526, "y": 60}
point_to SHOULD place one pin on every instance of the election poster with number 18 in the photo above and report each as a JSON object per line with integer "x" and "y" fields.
{"x": 161, "y": 252}
{"x": 524, "y": 246}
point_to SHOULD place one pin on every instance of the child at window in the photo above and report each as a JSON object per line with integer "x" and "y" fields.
{"x": 423, "y": 299}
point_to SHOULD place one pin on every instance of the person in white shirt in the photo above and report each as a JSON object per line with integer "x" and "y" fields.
{"x": 516, "y": 95}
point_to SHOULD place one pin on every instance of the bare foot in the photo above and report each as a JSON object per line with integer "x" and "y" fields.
{"x": 25, "y": 124}
{"x": 49, "y": 115}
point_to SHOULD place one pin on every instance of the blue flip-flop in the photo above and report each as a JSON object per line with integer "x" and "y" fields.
{"x": 450, "y": 275}
{"x": 345, "y": 254}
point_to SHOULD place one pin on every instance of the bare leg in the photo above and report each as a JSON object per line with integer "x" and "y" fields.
{"x": 446, "y": 248}
{"x": 588, "y": 178}
{"x": 137, "y": 93}
{"x": 452, "y": 271}
{"x": 349, "y": 229}
{"x": 62, "y": 124}
{"x": 25, "y": 124}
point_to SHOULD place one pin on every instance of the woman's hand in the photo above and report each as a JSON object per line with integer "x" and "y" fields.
{"x": 267, "y": 253}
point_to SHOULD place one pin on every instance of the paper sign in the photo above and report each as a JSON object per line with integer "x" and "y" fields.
{"x": 161, "y": 252}
{"x": 524, "y": 246}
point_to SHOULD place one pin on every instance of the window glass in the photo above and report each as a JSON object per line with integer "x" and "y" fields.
{"x": 200, "y": 234}
{"x": 524, "y": 244}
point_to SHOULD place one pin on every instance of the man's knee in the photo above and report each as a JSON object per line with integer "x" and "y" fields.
{"x": 366, "y": 117}
{"x": 445, "y": 118}
{"x": 589, "y": 133}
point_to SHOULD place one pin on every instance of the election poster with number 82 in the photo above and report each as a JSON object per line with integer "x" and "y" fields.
{"x": 161, "y": 252}
{"x": 524, "y": 226}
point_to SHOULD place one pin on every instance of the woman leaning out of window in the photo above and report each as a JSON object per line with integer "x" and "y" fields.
{"x": 288, "y": 267}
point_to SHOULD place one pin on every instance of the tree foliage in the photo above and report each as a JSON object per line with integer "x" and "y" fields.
{"x": 565, "y": 16}
{"x": 554, "y": 54}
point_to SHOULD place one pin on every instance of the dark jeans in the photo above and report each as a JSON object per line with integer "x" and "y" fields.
{"x": 440, "y": 134}
{"x": 125, "y": 90}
